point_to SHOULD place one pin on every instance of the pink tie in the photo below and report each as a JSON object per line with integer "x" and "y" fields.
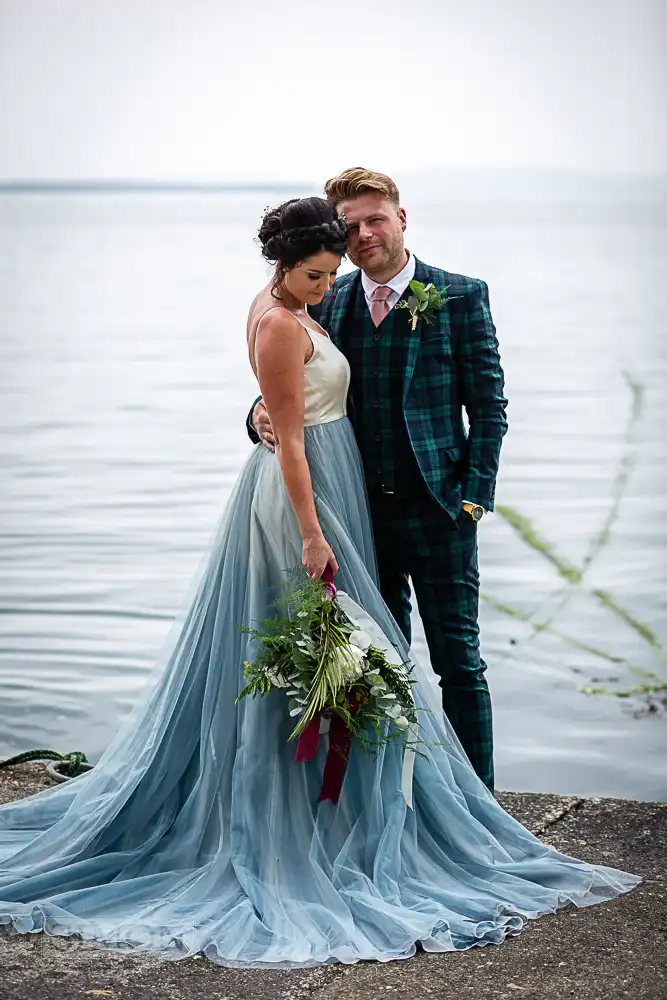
{"x": 379, "y": 303}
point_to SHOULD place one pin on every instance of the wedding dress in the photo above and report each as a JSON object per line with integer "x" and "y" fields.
{"x": 197, "y": 833}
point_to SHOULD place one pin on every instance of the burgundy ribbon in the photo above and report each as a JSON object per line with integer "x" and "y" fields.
{"x": 340, "y": 741}
{"x": 328, "y": 578}
{"x": 308, "y": 742}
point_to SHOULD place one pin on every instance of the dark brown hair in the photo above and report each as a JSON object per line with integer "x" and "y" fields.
{"x": 297, "y": 229}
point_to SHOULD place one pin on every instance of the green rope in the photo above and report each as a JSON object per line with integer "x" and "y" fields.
{"x": 75, "y": 759}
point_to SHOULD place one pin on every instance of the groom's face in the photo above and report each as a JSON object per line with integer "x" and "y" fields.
{"x": 375, "y": 232}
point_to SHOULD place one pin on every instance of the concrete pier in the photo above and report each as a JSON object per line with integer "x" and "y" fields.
{"x": 606, "y": 952}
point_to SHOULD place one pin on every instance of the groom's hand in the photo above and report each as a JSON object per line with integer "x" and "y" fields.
{"x": 262, "y": 425}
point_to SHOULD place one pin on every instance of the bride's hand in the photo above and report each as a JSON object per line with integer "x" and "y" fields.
{"x": 316, "y": 555}
{"x": 262, "y": 424}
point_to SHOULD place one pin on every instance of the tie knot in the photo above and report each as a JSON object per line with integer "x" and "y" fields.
{"x": 381, "y": 293}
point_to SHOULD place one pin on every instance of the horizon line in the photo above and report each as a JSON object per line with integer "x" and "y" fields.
{"x": 120, "y": 185}
{"x": 17, "y": 184}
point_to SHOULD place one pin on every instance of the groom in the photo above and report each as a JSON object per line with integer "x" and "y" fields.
{"x": 428, "y": 482}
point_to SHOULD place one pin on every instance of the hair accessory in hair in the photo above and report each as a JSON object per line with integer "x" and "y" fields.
{"x": 298, "y": 229}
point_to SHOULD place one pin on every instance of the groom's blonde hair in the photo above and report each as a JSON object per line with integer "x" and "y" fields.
{"x": 357, "y": 181}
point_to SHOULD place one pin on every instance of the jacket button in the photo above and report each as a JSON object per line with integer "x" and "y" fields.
{"x": 376, "y": 403}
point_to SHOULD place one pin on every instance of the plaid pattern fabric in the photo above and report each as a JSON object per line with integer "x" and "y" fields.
{"x": 451, "y": 364}
{"x": 377, "y": 358}
{"x": 416, "y": 539}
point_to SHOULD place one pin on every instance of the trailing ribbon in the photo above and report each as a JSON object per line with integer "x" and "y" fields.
{"x": 308, "y": 741}
{"x": 340, "y": 740}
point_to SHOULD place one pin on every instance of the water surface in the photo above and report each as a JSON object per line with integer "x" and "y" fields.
{"x": 125, "y": 385}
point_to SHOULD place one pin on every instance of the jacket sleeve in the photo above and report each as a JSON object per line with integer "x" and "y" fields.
{"x": 252, "y": 433}
{"x": 481, "y": 386}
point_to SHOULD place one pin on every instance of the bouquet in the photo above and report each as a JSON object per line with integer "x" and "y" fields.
{"x": 327, "y": 657}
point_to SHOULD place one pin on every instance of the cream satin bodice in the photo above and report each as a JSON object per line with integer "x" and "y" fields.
{"x": 326, "y": 379}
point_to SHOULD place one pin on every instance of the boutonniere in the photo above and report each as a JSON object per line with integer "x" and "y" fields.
{"x": 425, "y": 301}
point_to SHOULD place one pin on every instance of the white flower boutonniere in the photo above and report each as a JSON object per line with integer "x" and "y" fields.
{"x": 424, "y": 301}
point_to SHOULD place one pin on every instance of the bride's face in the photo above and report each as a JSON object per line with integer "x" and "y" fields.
{"x": 311, "y": 279}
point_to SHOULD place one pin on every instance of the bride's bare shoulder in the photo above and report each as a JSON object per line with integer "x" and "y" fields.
{"x": 262, "y": 304}
{"x": 276, "y": 323}
{"x": 271, "y": 314}
{"x": 270, "y": 326}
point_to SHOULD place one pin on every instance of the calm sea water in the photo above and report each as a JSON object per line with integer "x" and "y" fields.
{"x": 124, "y": 390}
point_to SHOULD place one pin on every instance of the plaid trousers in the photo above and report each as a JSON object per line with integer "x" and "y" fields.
{"x": 417, "y": 542}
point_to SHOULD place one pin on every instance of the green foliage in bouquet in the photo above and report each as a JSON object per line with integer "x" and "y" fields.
{"x": 325, "y": 664}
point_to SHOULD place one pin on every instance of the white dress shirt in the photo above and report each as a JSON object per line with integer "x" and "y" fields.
{"x": 398, "y": 283}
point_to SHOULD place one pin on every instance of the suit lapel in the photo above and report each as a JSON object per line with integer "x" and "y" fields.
{"x": 338, "y": 310}
{"x": 421, "y": 274}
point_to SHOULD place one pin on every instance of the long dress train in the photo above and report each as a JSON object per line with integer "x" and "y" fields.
{"x": 196, "y": 832}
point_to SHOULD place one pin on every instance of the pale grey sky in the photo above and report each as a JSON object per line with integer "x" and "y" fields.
{"x": 296, "y": 89}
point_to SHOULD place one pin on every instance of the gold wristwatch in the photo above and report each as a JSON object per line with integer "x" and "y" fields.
{"x": 475, "y": 510}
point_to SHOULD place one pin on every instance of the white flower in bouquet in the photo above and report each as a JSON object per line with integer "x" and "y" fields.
{"x": 349, "y": 659}
{"x": 360, "y": 638}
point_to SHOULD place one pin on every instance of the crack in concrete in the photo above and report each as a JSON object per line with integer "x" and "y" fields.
{"x": 552, "y": 819}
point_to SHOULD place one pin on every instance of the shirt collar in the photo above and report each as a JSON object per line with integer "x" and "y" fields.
{"x": 397, "y": 284}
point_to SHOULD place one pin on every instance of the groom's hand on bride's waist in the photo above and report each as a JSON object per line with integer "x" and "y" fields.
{"x": 260, "y": 422}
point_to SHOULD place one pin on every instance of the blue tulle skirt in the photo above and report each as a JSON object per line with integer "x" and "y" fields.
{"x": 196, "y": 832}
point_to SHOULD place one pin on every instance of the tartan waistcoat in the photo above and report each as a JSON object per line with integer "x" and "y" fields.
{"x": 377, "y": 357}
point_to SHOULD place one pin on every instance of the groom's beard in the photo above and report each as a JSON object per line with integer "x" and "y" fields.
{"x": 383, "y": 260}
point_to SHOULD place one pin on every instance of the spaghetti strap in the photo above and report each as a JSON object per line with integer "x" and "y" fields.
{"x": 259, "y": 323}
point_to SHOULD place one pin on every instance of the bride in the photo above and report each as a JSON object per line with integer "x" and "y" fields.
{"x": 196, "y": 832}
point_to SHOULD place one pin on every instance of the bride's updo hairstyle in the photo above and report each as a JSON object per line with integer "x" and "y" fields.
{"x": 298, "y": 229}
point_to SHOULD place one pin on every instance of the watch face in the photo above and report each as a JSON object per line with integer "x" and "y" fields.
{"x": 477, "y": 513}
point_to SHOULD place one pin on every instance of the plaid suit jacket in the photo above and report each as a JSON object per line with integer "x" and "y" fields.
{"x": 451, "y": 365}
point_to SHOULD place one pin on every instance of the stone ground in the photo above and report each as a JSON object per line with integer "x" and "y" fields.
{"x": 603, "y": 952}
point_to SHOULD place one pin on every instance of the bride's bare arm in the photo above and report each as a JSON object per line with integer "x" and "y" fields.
{"x": 280, "y": 359}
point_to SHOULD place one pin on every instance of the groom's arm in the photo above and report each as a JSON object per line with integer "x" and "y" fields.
{"x": 249, "y": 426}
{"x": 482, "y": 393}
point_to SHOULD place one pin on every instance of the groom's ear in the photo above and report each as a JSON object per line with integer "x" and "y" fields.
{"x": 403, "y": 217}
